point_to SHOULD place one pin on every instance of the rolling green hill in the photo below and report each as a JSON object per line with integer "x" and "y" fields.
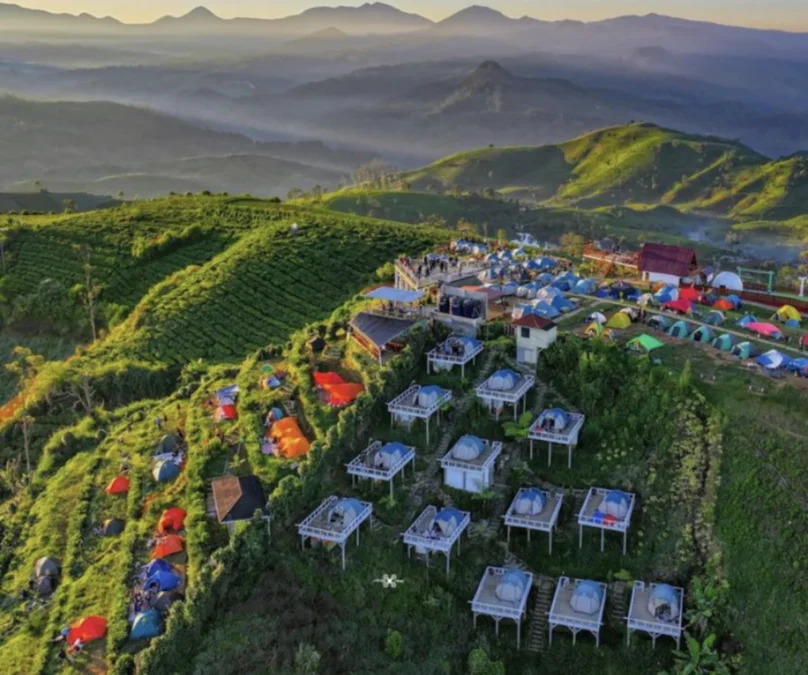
{"x": 635, "y": 163}
{"x": 53, "y": 202}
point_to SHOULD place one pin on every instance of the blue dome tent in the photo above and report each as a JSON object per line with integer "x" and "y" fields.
{"x": 531, "y": 502}
{"x": 163, "y": 580}
{"x": 735, "y": 300}
{"x": 158, "y": 565}
{"x": 792, "y": 323}
{"x": 544, "y": 279}
{"x": 615, "y": 503}
{"x": 503, "y": 379}
{"x": 554, "y": 419}
{"x": 512, "y": 585}
{"x": 799, "y": 366}
{"x": 681, "y": 329}
{"x": 746, "y": 319}
{"x": 773, "y": 359}
{"x": 146, "y": 625}
{"x": 585, "y": 287}
{"x": 659, "y": 322}
{"x": 587, "y": 597}
{"x": 667, "y": 294}
{"x": 468, "y": 448}
{"x": 547, "y": 263}
{"x": 544, "y": 310}
{"x": 165, "y": 471}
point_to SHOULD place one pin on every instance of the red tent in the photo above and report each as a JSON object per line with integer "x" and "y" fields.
{"x": 87, "y": 629}
{"x": 166, "y": 546}
{"x": 118, "y": 485}
{"x": 767, "y": 329}
{"x": 321, "y": 379}
{"x": 804, "y": 341}
{"x": 689, "y": 293}
{"x": 682, "y": 306}
{"x": 724, "y": 304}
{"x": 227, "y": 412}
{"x": 172, "y": 519}
{"x": 343, "y": 394}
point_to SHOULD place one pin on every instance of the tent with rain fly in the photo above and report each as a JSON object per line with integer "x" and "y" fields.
{"x": 345, "y": 511}
{"x": 117, "y": 486}
{"x": 703, "y": 334}
{"x": 446, "y": 521}
{"x": 645, "y": 343}
{"x": 226, "y": 411}
{"x": 289, "y": 439}
{"x": 386, "y": 457}
{"x": 597, "y": 316}
{"x": 787, "y": 312}
{"x": 773, "y": 360}
{"x": 619, "y": 320}
{"x": 745, "y": 320}
{"x": 585, "y": 287}
{"x": 792, "y": 323}
{"x": 680, "y": 306}
{"x": 157, "y": 565}
{"x": 87, "y": 629}
{"x": 163, "y": 580}
{"x": 47, "y": 567}
{"x": 690, "y": 294}
{"x": 615, "y": 504}
{"x": 512, "y": 585}
{"x": 531, "y": 502}
{"x": 146, "y": 625}
{"x": 766, "y": 329}
{"x": 745, "y": 350}
{"x": 681, "y": 329}
{"x": 468, "y": 448}
{"x": 545, "y": 310}
{"x": 594, "y": 329}
{"x": 659, "y": 322}
{"x": 664, "y": 603}
{"x": 587, "y": 597}
{"x": 168, "y": 545}
{"x": 503, "y": 380}
{"x": 113, "y": 527}
{"x": 725, "y": 342}
{"x": 165, "y": 471}
{"x": 339, "y": 395}
{"x": 714, "y": 318}
{"x": 171, "y": 520}
{"x": 603, "y": 292}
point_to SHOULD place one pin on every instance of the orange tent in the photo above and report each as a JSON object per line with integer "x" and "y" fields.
{"x": 322, "y": 378}
{"x": 118, "y": 485}
{"x": 342, "y": 394}
{"x": 87, "y": 629}
{"x": 168, "y": 545}
{"x": 724, "y": 304}
{"x": 172, "y": 519}
{"x": 290, "y": 439}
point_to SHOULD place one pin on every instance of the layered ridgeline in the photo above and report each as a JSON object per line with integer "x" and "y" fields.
{"x": 633, "y": 164}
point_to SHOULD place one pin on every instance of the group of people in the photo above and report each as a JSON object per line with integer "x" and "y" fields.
{"x": 428, "y": 265}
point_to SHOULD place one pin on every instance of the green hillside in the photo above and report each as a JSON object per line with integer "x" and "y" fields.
{"x": 635, "y": 163}
{"x": 41, "y": 201}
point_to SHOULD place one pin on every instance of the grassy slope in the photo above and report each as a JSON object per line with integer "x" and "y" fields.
{"x": 633, "y": 163}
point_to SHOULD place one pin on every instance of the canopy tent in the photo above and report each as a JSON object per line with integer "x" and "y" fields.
{"x": 787, "y": 312}
{"x": 468, "y": 448}
{"x": 597, "y": 316}
{"x": 503, "y": 380}
{"x": 553, "y": 419}
{"x": 512, "y": 585}
{"x": 389, "y": 455}
{"x": 117, "y": 486}
{"x": 690, "y": 294}
{"x": 728, "y": 280}
{"x": 659, "y": 322}
{"x": 667, "y": 294}
{"x": 167, "y": 545}
{"x": 168, "y": 444}
{"x": 723, "y": 304}
{"x": 745, "y": 350}
{"x": 725, "y": 342}
{"x": 615, "y": 504}
{"x": 587, "y": 597}
{"x": 703, "y": 334}
{"x": 531, "y": 502}
{"x": 680, "y": 306}
{"x": 112, "y": 527}
{"x": 165, "y": 471}
{"x": 289, "y": 439}
{"x": 714, "y": 318}
{"x": 171, "y": 520}
{"x": 664, "y": 603}
{"x": 146, "y": 625}
{"x": 773, "y": 359}
{"x": 745, "y": 320}
{"x": 619, "y": 320}
{"x": 87, "y": 629}
{"x": 767, "y": 329}
{"x": 646, "y": 343}
{"x": 163, "y": 580}
{"x": 394, "y": 294}
{"x": 447, "y": 521}
{"x": 681, "y": 329}
{"x": 47, "y": 567}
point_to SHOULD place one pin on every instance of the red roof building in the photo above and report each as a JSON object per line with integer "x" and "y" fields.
{"x": 668, "y": 264}
{"x": 533, "y": 334}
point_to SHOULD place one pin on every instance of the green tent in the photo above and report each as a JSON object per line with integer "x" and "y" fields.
{"x": 745, "y": 350}
{"x": 646, "y": 343}
{"x": 680, "y": 330}
{"x": 702, "y": 334}
{"x": 725, "y": 342}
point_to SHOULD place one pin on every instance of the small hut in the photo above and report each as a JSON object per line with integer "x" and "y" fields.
{"x": 334, "y": 521}
{"x": 502, "y": 594}
{"x": 469, "y": 465}
{"x": 437, "y": 530}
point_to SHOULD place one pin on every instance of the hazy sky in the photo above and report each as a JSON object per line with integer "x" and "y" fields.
{"x": 786, "y": 14}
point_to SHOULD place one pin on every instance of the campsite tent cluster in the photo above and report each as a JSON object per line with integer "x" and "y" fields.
{"x": 337, "y": 391}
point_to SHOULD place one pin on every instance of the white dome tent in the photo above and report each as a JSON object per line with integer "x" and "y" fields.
{"x": 505, "y": 387}
{"x": 663, "y": 603}
{"x": 388, "y": 455}
{"x": 728, "y": 280}
{"x": 345, "y": 511}
{"x": 503, "y": 593}
{"x": 512, "y": 585}
{"x": 578, "y": 605}
{"x": 530, "y": 502}
{"x": 418, "y": 402}
{"x": 503, "y": 380}
{"x": 469, "y": 465}
{"x": 555, "y": 425}
{"x": 428, "y": 396}
{"x": 615, "y": 504}
{"x": 535, "y": 510}
{"x": 587, "y": 597}
{"x": 334, "y": 521}
{"x": 655, "y": 609}
{"x": 446, "y": 522}
{"x": 606, "y": 510}
{"x": 381, "y": 462}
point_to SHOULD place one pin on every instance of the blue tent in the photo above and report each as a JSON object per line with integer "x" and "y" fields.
{"x": 158, "y": 565}
{"x": 547, "y": 263}
{"x": 563, "y": 284}
{"x": 533, "y": 265}
{"x": 448, "y": 514}
{"x": 745, "y": 319}
{"x": 506, "y": 255}
{"x": 589, "y": 589}
{"x": 165, "y": 471}
{"x": 493, "y": 258}
{"x": 228, "y": 392}
{"x": 563, "y": 305}
{"x": 585, "y": 287}
{"x": 602, "y": 293}
{"x": 163, "y": 581}
{"x": 799, "y": 366}
{"x": 146, "y": 625}
{"x": 556, "y": 416}
{"x": 520, "y": 252}
{"x": 774, "y": 359}
{"x": 792, "y": 323}
{"x": 667, "y": 294}
{"x": 659, "y": 322}
{"x": 622, "y": 290}
{"x": 546, "y": 311}
{"x": 681, "y": 329}
{"x": 735, "y": 300}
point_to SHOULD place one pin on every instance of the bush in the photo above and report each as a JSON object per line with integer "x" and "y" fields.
{"x": 393, "y": 645}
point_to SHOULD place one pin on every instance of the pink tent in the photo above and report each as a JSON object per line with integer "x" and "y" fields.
{"x": 767, "y": 329}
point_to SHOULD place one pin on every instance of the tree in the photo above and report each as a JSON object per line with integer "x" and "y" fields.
{"x": 393, "y": 644}
{"x": 120, "y": 196}
{"x": 502, "y": 235}
{"x": 317, "y": 193}
{"x": 572, "y": 243}
{"x": 90, "y": 290}
{"x": 69, "y": 206}
{"x": 25, "y": 365}
{"x": 294, "y": 193}
{"x": 307, "y": 660}
{"x": 466, "y": 227}
{"x": 3, "y": 243}
{"x": 480, "y": 663}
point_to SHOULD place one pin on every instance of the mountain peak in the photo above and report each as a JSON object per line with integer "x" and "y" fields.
{"x": 491, "y": 70}
{"x": 197, "y": 15}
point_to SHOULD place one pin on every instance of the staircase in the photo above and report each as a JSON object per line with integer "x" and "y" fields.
{"x": 545, "y": 589}
{"x": 617, "y": 601}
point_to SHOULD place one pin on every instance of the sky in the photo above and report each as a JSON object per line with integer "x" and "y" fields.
{"x": 784, "y": 14}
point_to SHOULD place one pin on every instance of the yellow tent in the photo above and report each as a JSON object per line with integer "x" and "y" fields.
{"x": 619, "y": 320}
{"x": 787, "y": 312}
{"x": 593, "y": 329}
